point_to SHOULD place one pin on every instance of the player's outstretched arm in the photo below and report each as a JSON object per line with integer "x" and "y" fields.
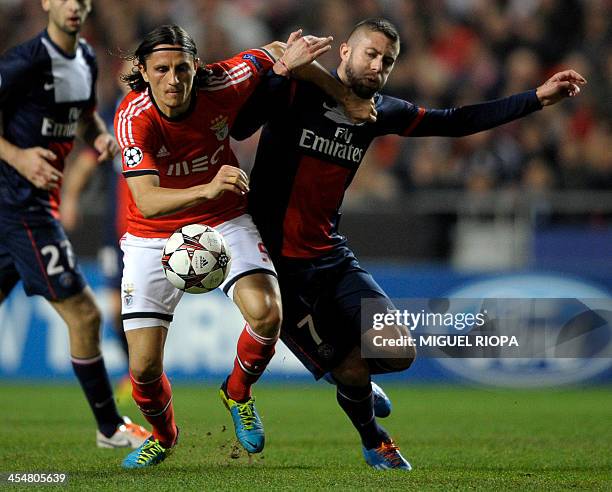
{"x": 474, "y": 118}
{"x": 559, "y": 86}
{"x": 34, "y": 164}
{"x": 154, "y": 201}
{"x": 93, "y": 131}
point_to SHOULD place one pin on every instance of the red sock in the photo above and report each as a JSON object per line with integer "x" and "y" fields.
{"x": 253, "y": 354}
{"x": 154, "y": 398}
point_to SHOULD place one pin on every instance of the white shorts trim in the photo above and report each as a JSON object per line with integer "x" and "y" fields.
{"x": 148, "y": 299}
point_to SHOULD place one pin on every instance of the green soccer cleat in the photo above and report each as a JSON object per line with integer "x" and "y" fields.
{"x": 149, "y": 454}
{"x": 247, "y": 424}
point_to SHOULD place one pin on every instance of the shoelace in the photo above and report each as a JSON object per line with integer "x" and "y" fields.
{"x": 247, "y": 415}
{"x": 150, "y": 450}
{"x": 390, "y": 453}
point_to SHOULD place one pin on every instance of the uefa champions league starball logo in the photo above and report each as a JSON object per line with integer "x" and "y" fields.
{"x": 132, "y": 156}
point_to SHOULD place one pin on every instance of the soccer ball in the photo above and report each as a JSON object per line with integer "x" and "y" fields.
{"x": 196, "y": 259}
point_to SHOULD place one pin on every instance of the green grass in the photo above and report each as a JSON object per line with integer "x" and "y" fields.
{"x": 455, "y": 438}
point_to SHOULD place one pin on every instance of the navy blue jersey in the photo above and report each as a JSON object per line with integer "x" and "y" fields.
{"x": 43, "y": 93}
{"x": 309, "y": 153}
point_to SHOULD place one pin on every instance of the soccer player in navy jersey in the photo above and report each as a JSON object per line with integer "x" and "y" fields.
{"x": 47, "y": 98}
{"x": 308, "y": 154}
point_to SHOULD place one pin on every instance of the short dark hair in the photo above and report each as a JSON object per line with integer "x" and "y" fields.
{"x": 378, "y": 24}
{"x": 166, "y": 34}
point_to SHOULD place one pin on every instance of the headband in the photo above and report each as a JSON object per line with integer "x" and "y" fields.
{"x": 186, "y": 50}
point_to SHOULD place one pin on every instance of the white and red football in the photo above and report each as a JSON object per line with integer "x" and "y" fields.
{"x": 196, "y": 259}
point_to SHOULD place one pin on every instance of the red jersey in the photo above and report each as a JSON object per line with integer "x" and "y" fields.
{"x": 188, "y": 150}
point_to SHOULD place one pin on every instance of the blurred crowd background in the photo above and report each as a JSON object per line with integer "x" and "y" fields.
{"x": 454, "y": 52}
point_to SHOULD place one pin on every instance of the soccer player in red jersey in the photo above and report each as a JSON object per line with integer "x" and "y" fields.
{"x": 173, "y": 129}
{"x": 308, "y": 154}
{"x": 47, "y": 98}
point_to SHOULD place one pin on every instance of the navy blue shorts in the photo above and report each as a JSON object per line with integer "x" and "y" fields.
{"x": 322, "y": 307}
{"x": 38, "y": 253}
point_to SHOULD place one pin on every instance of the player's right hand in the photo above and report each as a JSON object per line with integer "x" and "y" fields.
{"x": 228, "y": 178}
{"x": 359, "y": 109}
{"x": 34, "y": 165}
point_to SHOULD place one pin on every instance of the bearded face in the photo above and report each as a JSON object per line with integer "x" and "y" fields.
{"x": 367, "y": 60}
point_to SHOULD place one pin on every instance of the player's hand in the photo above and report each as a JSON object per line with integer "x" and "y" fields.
{"x": 107, "y": 146}
{"x": 559, "y": 86}
{"x": 302, "y": 50}
{"x": 359, "y": 109}
{"x": 229, "y": 178}
{"x": 34, "y": 164}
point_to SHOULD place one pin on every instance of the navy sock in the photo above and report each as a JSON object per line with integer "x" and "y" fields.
{"x": 93, "y": 377}
{"x": 358, "y": 404}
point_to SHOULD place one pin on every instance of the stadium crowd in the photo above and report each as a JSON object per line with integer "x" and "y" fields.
{"x": 454, "y": 52}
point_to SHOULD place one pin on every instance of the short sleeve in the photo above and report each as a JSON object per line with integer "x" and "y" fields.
{"x": 92, "y": 61}
{"x": 136, "y": 137}
{"x": 15, "y": 69}
{"x": 235, "y": 79}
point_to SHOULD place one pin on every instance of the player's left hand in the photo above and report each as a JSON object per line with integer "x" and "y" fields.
{"x": 559, "y": 86}
{"x": 106, "y": 145}
{"x": 302, "y": 50}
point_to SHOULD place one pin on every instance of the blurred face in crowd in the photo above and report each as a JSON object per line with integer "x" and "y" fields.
{"x": 67, "y": 16}
{"x": 170, "y": 74}
{"x": 367, "y": 60}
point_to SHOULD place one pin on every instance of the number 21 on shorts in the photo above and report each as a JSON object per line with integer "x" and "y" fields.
{"x": 52, "y": 254}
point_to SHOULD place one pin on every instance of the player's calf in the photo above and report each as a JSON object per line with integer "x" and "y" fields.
{"x": 83, "y": 318}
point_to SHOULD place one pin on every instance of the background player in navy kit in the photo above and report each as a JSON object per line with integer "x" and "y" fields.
{"x": 47, "y": 97}
{"x": 308, "y": 154}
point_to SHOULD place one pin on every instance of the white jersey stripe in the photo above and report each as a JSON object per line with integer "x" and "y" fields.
{"x": 124, "y": 124}
{"x": 132, "y": 141}
{"x": 228, "y": 84}
{"x": 227, "y": 79}
{"x": 229, "y": 73}
{"x": 136, "y": 110}
{"x": 231, "y": 70}
{"x": 123, "y": 115}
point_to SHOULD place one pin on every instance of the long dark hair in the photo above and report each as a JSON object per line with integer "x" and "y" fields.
{"x": 166, "y": 34}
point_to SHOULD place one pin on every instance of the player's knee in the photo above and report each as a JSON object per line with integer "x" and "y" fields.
{"x": 399, "y": 365}
{"x": 395, "y": 364}
{"x": 88, "y": 324}
{"x": 268, "y": 318}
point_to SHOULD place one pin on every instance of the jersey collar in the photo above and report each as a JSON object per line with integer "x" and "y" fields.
{"x": 45, "y": 34}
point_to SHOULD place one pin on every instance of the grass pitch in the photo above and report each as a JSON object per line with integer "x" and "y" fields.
{"x": 455, "y": 438}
